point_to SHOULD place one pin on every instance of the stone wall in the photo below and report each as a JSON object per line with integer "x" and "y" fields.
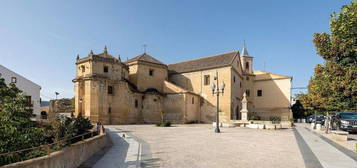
{"x": 173, "y": 106}
{"x": 153, "y": 108}
{"x": 139, "y": 75}
{"x": 275, "y": 99}
{"x": 194, "y": 81}
{"x": 69, "y": 157}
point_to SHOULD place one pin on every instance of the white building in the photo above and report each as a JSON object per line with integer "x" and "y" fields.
{"x": 31, "y": 89}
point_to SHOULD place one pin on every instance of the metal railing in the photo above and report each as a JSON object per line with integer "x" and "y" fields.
{"x": 42, "y": 150}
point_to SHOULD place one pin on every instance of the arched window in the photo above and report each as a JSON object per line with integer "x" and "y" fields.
{"x": 247, "y": 65}
{"x": 83, "y": 68}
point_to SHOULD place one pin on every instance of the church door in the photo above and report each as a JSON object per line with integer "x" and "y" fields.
{"x": 238, "y": 115}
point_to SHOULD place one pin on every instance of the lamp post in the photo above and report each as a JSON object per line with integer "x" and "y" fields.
{"x": 217, "y": 92}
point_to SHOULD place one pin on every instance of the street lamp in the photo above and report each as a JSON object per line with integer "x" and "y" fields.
{"x": 217, "y": 92}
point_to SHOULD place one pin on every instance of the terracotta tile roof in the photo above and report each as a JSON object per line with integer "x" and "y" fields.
{"x": 146, "y": 58}
{"x": 209, "y": 62}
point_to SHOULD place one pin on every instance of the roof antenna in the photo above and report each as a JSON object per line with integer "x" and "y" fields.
{"x": 145, "y": 48}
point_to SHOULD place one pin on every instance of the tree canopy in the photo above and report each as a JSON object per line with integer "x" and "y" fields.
{"x": 18, "y": 131}
{"x": 334, "y": 84}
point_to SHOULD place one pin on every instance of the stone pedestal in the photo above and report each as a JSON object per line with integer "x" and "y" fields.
{"x": 244, "y": 111}
{"x": 244, "y": 115}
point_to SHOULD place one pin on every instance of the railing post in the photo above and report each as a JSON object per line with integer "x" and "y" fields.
{"x": 48, "y": 148}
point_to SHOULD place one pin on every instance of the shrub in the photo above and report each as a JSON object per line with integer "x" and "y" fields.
{"x": 164, "y": 124}
{"x": 192, "y": 122}
{"x": 255, "y": 118}
{"x": 275, "y": 119}
{"x": 82, "y": 125}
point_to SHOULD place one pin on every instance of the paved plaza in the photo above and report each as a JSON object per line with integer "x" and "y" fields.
{"x": 198, "y": 146}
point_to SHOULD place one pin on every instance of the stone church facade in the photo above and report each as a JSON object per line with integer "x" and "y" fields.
{"x": 145, "y": 90}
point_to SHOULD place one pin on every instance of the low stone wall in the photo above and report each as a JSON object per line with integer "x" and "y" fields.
{"x": 69, "y": 157}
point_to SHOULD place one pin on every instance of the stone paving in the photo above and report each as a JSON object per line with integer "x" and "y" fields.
{"x": 198, "y": 146}
{"x": 328, "y": 156}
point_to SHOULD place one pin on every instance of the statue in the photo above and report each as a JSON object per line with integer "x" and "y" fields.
{"x": 244, "y": 110}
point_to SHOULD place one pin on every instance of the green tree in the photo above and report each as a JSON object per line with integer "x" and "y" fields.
{"x": 298, "y": 110}
{"x": 334, "y": 84}
{"x": 17, "y": 131}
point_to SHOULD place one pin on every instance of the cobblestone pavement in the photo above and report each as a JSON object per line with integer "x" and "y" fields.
{"x": 198, "y": 146}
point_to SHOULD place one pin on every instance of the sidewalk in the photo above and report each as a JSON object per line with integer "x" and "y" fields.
{"x": 317, "y": 152}
{"x": 125, "y": 152}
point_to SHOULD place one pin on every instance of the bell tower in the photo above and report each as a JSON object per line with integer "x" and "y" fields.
{"x": 247, "y": 60}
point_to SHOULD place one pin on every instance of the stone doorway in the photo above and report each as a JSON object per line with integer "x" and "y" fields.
{"x": 238, "y": 116}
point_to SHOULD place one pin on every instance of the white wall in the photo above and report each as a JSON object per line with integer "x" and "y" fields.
{"x": 28, "y": 87}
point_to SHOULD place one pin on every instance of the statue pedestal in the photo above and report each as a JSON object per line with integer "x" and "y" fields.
{"x": 244, "y": 115}
{"x": 244, "y": 111}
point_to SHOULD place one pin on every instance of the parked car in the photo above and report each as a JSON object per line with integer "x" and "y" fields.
{"x": 346, "y": 121}
{"x": 320, "y": 119}
{"x": 309, "y": 118}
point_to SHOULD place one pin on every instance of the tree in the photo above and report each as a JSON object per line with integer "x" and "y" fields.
{"x": 17, "y": 131}
{"x": 334, "y": 84}
{"x": 298, "y": 110}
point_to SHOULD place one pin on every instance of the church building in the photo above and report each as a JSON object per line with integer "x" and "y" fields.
{"x": 145, "y": 90}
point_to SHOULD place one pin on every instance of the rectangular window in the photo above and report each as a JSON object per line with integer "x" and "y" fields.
{"x": 109, "y": 110}
{"x": 151, "y": 72}
{"x": 105, "y": 69}
{"x": 136, "y": 103}
{"x": 193, "y": 100}
{"x": 28, "y": 101}
{"x": 206, "y": 80}
{"x": 83, "y": 68}
{"x": 259, "y": 93}
{"x": 247, "y": 92}
{"x": 234, "y": 79}
{"x": 247, "y": 65}
{"x": 110, "y": 89}
{"x": 13, "y": 80}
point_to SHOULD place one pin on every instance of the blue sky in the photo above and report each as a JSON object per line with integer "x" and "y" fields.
{"x": 40, "y": 39}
